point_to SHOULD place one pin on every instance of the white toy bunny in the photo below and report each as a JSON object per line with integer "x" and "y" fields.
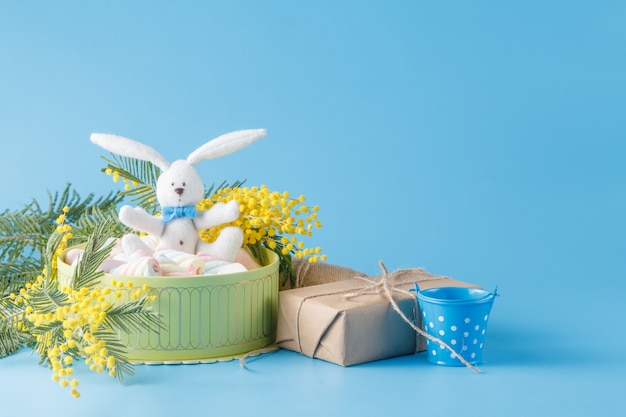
{"x": 179, "y": 189}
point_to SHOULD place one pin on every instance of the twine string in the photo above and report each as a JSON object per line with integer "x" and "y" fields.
{"x": 301, "y": 270}
{"x": 385, "y": 287}
{"x": 256, "y": 352}
{"x": 370, "y": 289}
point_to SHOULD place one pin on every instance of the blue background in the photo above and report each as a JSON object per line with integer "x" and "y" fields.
{"x": 481, "y": 140}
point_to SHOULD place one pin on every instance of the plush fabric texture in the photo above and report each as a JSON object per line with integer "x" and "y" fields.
{"x": 179, "y": 189}
{"x": 225, "y": 144}
{"x": 128, "y": 147}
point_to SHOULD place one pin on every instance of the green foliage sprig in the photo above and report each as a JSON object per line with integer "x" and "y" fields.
{"x": 64, "y": 322}
{"x": 24, "y": 233}
{"x": 140, "y": 179}
{"x": 24, "y": 239}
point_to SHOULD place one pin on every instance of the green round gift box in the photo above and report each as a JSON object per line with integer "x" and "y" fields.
{"x": 206, "y": 318}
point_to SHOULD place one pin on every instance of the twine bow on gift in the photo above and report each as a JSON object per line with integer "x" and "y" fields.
{"x": 385, "y": 286}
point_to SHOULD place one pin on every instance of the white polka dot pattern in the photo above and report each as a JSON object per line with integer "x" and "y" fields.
{"x": 461, "y": 327}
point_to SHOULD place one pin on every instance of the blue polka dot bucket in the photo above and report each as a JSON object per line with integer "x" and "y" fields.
{"x": 457, "y": 316}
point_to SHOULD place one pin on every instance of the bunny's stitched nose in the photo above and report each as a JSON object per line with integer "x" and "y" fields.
{"x": 179, "y": 191}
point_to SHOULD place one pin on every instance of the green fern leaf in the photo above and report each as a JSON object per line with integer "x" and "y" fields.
{"x": 142, "y": 173}
{"x": 97, "y": 249}
{"x": 133, "y": 316}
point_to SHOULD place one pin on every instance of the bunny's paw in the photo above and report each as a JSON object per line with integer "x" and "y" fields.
{"x": 231, "y": 211}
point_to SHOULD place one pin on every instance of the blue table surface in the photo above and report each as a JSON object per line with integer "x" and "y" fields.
{"x": 538, "y": 360}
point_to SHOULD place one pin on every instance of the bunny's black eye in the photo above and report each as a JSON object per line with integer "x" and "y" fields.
{"x": 172, "y": 184}
{"x": 184, "y": 184}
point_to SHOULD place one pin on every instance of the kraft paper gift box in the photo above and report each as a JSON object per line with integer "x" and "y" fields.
{"x": 351, "y": 322}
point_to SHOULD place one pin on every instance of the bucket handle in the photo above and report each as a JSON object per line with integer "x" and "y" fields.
{"x": 417, "y": 290}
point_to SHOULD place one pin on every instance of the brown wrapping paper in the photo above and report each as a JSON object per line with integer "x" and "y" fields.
{"x": 328, "y": 322}
{"x": 317, "y": 273}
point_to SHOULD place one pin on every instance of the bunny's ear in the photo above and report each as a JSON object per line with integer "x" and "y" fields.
{"x": 126, "y": 147}
{"x": 225, "y": 144}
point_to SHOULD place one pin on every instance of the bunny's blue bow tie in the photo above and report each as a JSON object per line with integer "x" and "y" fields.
{"x": 170, "y": 213}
